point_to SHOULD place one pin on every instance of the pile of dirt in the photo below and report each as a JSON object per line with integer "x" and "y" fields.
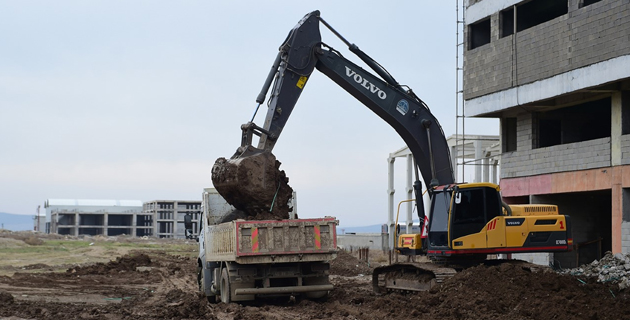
{"x": 254, "y": 184}
{"x": 6, "y": 298}
{"x": 125, "y": 263}
{"x": 169, "y": 290}
{"x": 513, "y": 291}
{"x": 348, "y": 265}
{"x": 36, "y": 266}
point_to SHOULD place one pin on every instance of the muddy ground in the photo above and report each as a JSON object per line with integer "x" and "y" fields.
{"x": 154, "y": 285}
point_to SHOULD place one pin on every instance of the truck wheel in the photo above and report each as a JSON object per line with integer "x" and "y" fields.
{"x": 225, "y": 287}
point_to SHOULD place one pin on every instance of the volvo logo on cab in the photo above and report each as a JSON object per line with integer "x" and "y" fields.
{"x": 365, "y": 83}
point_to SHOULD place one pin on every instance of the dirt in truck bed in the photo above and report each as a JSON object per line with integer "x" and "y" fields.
{"x": 254, "y": 185}
{"x": 149, "y": 284}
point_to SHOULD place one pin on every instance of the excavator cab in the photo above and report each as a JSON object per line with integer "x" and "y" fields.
{"x": 460, "y": 211}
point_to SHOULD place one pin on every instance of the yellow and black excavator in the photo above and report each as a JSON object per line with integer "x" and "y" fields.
{"x": 466, "y": 221}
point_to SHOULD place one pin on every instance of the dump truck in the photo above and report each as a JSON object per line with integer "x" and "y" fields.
{"x": 244, "y": 260}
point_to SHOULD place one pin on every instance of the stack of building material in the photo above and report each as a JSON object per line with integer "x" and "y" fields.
{"x": 611, "y": 268}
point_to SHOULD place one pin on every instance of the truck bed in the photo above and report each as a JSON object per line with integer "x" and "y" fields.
{"x": 272, "y": 241}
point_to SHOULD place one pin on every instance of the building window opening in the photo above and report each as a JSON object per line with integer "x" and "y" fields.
{"x": 509, "y": 134}
{"x": 588, "y": 2}
{"x": 120, "y": 220}
{"x": 507, "y": 22}
{"x": 479, "y": 33}
{"x": 550, "y": 133}
{"x": 535, "y": 12}
{"x": 583, "y": 122}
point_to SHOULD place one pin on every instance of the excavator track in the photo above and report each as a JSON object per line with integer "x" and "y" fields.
{"x": 409, "y": 276}
{"x": 422, "y": 276}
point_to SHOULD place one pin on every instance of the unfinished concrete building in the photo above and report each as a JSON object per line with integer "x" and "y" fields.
{"x": 169, "y": 216}
{"x": 557, "y": 75}
{"x": 97, "y": 217}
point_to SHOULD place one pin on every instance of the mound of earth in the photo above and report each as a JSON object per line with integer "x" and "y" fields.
{"x": 348, "y": 265}
{"x": 513, "y": 291}
{"x": 169, "y": 290}
{"x": 121, "y": 264}
{"x": 5, "y": 298}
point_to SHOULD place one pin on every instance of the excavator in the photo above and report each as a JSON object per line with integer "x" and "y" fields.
{"x": 467, "y": 222}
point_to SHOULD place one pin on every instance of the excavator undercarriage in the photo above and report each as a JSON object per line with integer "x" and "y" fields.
{"x": 409, "y": 276}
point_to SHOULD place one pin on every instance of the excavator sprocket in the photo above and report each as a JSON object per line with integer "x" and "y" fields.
{"x": 409, "y": 276}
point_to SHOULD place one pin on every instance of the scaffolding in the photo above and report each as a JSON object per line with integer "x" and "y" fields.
{"x": 460, "y": 114}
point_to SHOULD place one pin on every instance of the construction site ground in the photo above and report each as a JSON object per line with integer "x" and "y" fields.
{"x": 54, "y": 277}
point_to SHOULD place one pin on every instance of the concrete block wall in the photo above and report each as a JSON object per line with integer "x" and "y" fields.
{"x": 376, "y": 241}
{"x": 625, "y": 149}
{"x": 582, "y": 37}
{"x": 544, "y": 50}
{"x": 565, "y": 157}
{"x": 540, "y": 258}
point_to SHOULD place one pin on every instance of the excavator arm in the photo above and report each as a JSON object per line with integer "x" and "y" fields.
{"x": 302, "y": 52}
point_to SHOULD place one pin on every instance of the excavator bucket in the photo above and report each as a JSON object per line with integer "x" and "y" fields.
{"x": 252, "y": 182}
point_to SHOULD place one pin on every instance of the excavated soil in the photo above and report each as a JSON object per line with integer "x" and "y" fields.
{"x": 254, "y": 185}
{"x": 166, "y": 289}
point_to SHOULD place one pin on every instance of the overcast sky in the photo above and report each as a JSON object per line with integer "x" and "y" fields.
{"x": 137, "y": 99}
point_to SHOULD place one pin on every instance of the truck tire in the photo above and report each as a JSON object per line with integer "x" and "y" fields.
{"x": 225, "y": 287}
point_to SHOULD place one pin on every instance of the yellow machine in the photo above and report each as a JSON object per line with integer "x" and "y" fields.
{"x": 467, "y": 222}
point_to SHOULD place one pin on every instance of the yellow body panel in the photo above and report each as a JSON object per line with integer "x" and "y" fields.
{"x": 516, "y": 235}
{"x": 479, "y": 185}
{"x": 497, "y": 235}
{"x": 495, "y": 231}
{"x": 410, "y": 241}
{"x": 471, "y": 241}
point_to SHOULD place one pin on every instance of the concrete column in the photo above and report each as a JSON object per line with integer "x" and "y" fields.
{"x": 390, "y": 200}
{"x": 409, "y": 190}
{"x": 574, "y": 5}
{"x": 134, "y": 224}
{"x": 486, "y": 169}
{"x": 615, "y": 129}
{"x": 617, "y": 209}
{"x": 105, "y": 223}
{"x": 625, "y": 224}
{"x": 495, "y": 171}
{"x": 76, "y": 224}
{"x": 495, "y": 27}
{"x": 478, "y": 156}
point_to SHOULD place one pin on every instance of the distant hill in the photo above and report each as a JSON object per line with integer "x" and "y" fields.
{"x": 16, "y": 222}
